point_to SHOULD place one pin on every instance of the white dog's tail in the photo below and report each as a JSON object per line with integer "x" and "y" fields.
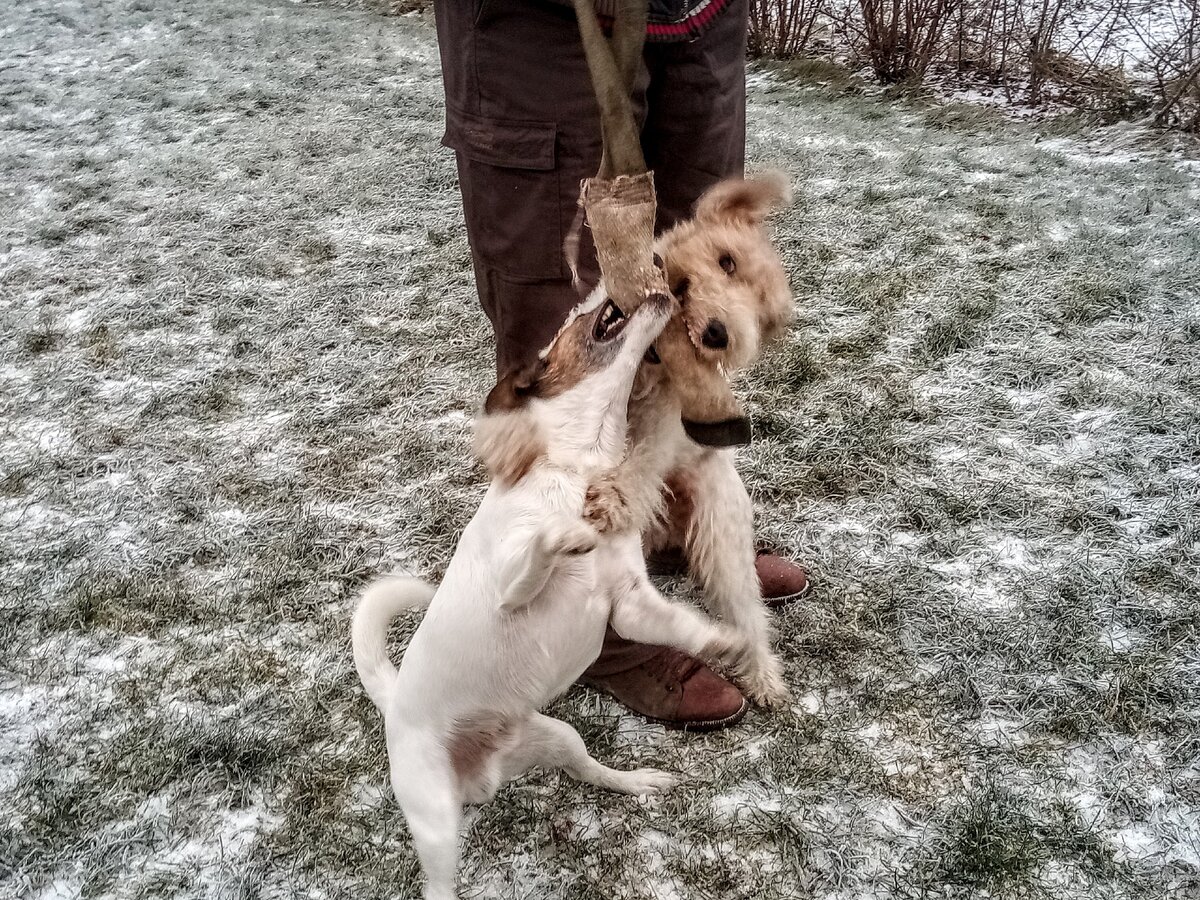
{"x": 381, "y": 602}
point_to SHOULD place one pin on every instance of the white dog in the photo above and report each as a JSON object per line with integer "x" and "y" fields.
{"x": 525, "y": 601}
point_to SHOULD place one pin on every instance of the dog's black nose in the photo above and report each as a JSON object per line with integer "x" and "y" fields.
{"x": 715, "y": 336}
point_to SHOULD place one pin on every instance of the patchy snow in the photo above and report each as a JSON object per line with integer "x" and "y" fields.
{"x": 61, "y": 889}
{"x": 1012, "y": 553}
{"x": 1119, "y": 638}
{"x": 745, "y": 800}
{"x": 240, "y": 355}
{"x": 1001, "y": 732}
{"x": 635, "y": 732}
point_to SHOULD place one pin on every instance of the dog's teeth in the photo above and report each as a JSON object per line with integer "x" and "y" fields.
{"x": 610, "y": 316}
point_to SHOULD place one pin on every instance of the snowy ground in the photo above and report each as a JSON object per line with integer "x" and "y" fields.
{"x": 239, "y": 356}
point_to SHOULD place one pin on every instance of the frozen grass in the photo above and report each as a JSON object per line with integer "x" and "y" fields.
{"x": 239, "y": 355}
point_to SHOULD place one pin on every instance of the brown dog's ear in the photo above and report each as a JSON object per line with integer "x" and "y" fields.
{"x": 744, "y": 202}
{"x": 513, "y": 390}
{"x": 508, "y": 444}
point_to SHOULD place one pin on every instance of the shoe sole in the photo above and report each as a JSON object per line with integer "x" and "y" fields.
{"x": 785, "y": 599}
{"x": 676, "y": 724}
{"x": 710, "y": 725}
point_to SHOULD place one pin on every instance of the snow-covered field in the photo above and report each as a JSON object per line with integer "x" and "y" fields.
{"x": 239, "y": 356}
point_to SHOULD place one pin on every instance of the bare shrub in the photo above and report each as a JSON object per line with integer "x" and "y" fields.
{"x": 782, "y": 28}
{"x": 1181, "y": 101}
{"x": 1174, "y": 68}
{"x": 984, "y": 36}
{"x": 1041, "y": 28}
{"x": 1114, "y": 58}
{"x": 1086, "y": 85}
{"x": 902, "y": 37}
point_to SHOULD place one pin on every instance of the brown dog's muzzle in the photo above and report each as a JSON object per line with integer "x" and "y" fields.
{"x": 711, "y": 414}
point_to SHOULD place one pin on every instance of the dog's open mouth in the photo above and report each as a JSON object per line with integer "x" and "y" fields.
{"x": 609, "y": 323}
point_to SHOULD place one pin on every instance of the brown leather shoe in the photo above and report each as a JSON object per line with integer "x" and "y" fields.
{"x": 675, "y": 690}
{"x": 782, "y": 580}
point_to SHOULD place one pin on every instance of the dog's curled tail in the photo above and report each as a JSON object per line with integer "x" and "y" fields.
{"x": 381, "y": 602}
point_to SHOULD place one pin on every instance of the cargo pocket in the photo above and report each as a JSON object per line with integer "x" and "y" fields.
{"x": 511, "y": 198}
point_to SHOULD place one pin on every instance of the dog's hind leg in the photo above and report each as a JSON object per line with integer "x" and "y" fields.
{"x": 424, "y": 783}
{"x": 720, "y": 552}
{"x": 552, "y": 744}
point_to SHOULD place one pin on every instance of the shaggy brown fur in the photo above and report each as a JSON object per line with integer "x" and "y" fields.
{"x": 734, "y": 297}
{"x": 508, "y": 445}
{"x": 732, "y": 289}
{"x": 726, "y": 275}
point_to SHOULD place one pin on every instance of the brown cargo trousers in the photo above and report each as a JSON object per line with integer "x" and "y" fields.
{"x": 522, "y": 119}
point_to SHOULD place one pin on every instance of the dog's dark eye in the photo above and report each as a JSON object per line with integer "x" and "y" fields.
{"x": 726, "y": 262}
{"x": 681, "y": 288}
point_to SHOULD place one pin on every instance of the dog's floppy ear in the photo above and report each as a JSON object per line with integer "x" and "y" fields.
{"x": 515, "y": 389}
{"x": 507, "y": 440}
{"x": 744, "y": 201}
{"x": 508, "y": 444}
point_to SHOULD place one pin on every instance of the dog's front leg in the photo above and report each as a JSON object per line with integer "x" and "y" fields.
{"x": 629, "y": 498}
{"x": 640, "y": 613}
{"x": 532, "y": 557}
{"x": 720, "y": 553}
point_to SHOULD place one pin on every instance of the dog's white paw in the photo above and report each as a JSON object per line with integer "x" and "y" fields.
{"x": 605, "y": 508}
{"x": 730, "y": 650}
{"x": 641, "y": 782}
{"x": 758, "y": 674}
{"x": 573, "y": 539}
{"x": 763, "y": 682}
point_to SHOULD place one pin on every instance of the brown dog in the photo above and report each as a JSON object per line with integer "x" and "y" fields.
{"x": 734, "y": 298}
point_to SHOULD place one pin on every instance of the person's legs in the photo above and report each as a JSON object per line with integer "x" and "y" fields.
{"x": 521, "y": 116}
{"x": 695, "y": 129}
